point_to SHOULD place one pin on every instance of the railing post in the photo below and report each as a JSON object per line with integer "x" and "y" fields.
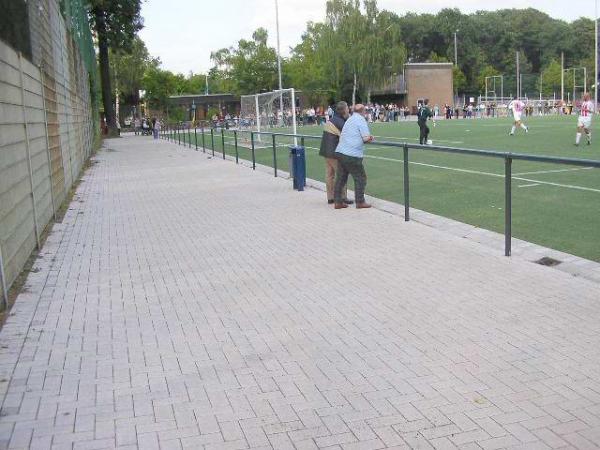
{"x": 507, "y": 205}
{"x": 253, "y": 153}
{"x": 189, "y": 138}
{"x": 223, "y": 141}
{"x": 203, "y": 143}
{"x": 406, "y": 186}
{"x": 274, "y": 155}
{"x": 178, "y": 136}
{"x": 236, "y": 146}
{"x": 212, "y": 140}
{"x": 195, "y": 138}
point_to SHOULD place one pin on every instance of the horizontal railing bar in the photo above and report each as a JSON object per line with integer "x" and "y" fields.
{"x": 457, "y": 150}
{"x": 493, "y": 154}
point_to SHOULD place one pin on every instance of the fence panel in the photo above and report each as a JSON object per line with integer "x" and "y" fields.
{"x": 46, "y": 134}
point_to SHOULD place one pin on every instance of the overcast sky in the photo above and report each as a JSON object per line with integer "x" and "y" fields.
{"x": 184, "y": 32}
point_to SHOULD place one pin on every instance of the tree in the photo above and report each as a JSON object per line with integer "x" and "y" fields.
{"x": 127, "y": 69}
{"x": 196, "y": 83}
{"x": 361, "y": 49}
{"x": 159, "y": 85}
{"x": 550, "y": 81}
{"x": 459, "y": 80}
{"x": 116, "y": 23}
{"x": 251, "y": 67}
{"x": 488, "y": 71}
{"x": 307, "y": 70}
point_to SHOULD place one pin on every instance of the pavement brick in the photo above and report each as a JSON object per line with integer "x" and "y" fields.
{"x": 188, "y": 302}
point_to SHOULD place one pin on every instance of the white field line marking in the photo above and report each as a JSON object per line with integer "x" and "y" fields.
{"x": 414, "y": 139}
{"x": 509, "y": 124}
{"x": 552, "y": 171}
{"x": 477, "y": 172}
{"x": 568, "y": 186}
{"x": 528, "y": 185}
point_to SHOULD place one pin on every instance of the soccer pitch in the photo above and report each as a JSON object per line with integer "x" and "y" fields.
{"x": 555, "y": 206}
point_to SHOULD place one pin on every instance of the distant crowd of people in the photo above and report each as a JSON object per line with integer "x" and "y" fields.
{"x": 145, "y": 126}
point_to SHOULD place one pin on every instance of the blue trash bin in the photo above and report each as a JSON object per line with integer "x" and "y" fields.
{"x": 298, "y": 168}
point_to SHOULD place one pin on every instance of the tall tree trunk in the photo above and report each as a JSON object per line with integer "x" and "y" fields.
{"x": 109, "y": 111}
{"x": 354, "y": 91}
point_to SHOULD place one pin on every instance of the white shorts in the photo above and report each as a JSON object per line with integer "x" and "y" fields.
{"x": 585, "y": 122}
{"x": 517, "y": 116}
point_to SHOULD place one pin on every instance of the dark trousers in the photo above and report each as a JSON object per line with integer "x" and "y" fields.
{"x": 349, "y": 165}
{"x": 424, "y": 132}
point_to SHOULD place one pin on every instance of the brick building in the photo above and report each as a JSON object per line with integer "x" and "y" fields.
{"x": 419, "y": 81}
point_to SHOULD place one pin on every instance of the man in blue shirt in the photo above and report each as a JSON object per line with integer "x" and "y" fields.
{"x": 350, "y": 152}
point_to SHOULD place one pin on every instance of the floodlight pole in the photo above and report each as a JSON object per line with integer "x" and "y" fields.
{"x": 455, "y": 49}
{"x": 486, "y": 89}
{"x": 596, "y": 56}
{"x": 257, "y": 114}
{"x": 278, "y": 46}
{"x": 518, "y": 78}
{"x": 562, "y": 77}
{"x": 294, "y": 129}
{"x": 279, "y": 62}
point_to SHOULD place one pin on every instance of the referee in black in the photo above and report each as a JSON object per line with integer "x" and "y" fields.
{"x": 422, "y": 116}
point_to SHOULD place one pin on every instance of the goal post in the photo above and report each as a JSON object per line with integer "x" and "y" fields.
{"x": 269, "y": 111}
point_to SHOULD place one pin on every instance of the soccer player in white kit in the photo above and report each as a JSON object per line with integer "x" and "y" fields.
{"x": 584, "y": 122}
{"x": 517, "y": 107}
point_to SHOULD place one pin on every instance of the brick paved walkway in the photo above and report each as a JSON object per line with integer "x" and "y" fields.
{"x": 188, "y": 302}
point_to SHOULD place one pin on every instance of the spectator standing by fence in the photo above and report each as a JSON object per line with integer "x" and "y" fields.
{"x": 156, "y": 128}
{"x": 329, "y": 142}
{"x": 350, "y": 152}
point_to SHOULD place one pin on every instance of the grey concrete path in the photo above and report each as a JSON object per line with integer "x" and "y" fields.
{"x": 189, "y": 302}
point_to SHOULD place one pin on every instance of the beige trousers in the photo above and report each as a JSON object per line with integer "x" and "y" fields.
{"x": 331, "y": 166}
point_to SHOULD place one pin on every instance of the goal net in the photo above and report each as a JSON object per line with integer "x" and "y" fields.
{"x": 268, "y": 111}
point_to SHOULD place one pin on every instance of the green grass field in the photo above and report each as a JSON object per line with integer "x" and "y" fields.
{"x": 555, "y": 206}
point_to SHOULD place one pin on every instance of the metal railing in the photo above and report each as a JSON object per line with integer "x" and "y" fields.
{"x": 508, "y": 157}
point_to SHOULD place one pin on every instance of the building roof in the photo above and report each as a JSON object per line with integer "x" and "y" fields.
{"x": 201, "y": 95}
{"x": 430, "y": 64}
{"x": 202, "y": 99}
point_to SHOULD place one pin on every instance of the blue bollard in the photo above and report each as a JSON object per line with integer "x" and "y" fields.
{"x": 298, "y": 156}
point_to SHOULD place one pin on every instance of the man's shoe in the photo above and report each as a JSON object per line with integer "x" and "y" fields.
{"x": 340, "y": 205}
{"x": 362, "y": 205}
{"x": 330, "y": 202}
{"x": 349, "y": 202}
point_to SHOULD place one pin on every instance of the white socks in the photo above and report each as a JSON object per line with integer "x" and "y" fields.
{"x": 523, "y": 126}
{"x": 512, "y": 131}
{"x": 577, "y": 138}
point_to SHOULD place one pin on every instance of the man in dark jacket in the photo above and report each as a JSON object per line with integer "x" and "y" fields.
{"x": 423, "y": 115}
{"x": 329, "y": 142}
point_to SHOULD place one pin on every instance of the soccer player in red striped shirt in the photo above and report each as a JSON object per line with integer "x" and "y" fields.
{"x": 584, "y": 122}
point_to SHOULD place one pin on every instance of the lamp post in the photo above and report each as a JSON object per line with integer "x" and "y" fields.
{"x": 278, "y": 45}
{"x": 279, "y": 65}
{"x": 455, "y": 48}
{"x": 596, "y": 55}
